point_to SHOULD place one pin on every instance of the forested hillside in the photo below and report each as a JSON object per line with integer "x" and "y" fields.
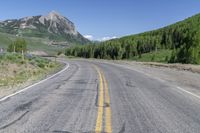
{"x": 181, "y": 39}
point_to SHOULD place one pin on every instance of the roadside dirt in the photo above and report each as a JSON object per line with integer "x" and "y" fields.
{"x": 184, "y": 67}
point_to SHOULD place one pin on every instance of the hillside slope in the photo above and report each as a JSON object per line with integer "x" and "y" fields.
{"x": 53, "y": 26}
{"x": 181, "y": 40}
{"x": 33, "y": 44}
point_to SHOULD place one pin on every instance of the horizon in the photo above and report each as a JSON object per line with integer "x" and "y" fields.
{"x": 103, "y": 20}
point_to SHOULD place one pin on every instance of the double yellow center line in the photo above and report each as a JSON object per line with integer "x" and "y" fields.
{"x": 103, "y": 122}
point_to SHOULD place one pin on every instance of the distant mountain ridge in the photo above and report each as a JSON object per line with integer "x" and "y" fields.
{"x": 53, "y": 26}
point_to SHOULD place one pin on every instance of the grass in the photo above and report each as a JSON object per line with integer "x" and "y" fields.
{"x": 159, "y": 56}
{"x": 33, "y": 43}
{"x": 14, "y": 70}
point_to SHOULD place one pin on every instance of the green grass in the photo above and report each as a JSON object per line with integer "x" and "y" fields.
{"x": 5, "y": 40}
{"x": 159, "y": 56}
{"x": 33, "y": 43}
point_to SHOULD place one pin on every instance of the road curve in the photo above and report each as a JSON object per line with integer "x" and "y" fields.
{"x": 91, "y": 96}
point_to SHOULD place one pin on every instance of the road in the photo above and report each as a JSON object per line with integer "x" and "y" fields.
{"x": 91, "y": 96}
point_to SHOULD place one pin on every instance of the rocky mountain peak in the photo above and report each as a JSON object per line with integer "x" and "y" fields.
{"x": 54, "y": 14}
{"x": 58, "y": 22}
{"x": 53, "y": 25}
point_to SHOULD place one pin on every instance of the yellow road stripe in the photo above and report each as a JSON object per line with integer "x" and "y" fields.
{"x": 103, "y": 86}
{"x": 99, "y": 120}
{"x": 108, "y": 125}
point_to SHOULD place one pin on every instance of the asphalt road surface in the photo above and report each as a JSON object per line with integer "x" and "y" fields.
{"x": 95, "y": 97}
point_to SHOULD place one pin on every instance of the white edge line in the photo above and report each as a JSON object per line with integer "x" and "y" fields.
{"x": 181, "y": 89}
{"x": 25, "y": 89}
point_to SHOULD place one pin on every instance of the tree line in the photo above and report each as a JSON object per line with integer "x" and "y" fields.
{"x": 182, "y": 38}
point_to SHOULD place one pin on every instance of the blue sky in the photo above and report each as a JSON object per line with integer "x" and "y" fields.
{"x": 103, "y": 19}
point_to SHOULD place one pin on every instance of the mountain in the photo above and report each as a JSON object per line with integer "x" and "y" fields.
{"x": 53, "y": 26}
{"x": 179, "y": 42}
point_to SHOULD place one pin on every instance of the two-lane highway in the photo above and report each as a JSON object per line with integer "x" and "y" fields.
{"x": 91, "y": 96}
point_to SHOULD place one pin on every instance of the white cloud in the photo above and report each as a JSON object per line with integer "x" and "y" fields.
{"x": 90, "y": 37}
{"x": 107, "y": 38}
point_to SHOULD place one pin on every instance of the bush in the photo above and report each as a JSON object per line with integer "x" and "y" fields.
{"x": 59, "y": 53}
{"x": 18, "y": 46}
{"x": 41, "y": 65}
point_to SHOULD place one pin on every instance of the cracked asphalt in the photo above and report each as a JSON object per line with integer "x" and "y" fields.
{"x": 69, "y": 103}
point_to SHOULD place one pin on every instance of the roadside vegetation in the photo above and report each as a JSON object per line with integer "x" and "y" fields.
{"x": 162, "y": 56}
{"x": 14, "y": 69}
{"x": 18, "y": 68}
{"x": 177, "y": 43}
